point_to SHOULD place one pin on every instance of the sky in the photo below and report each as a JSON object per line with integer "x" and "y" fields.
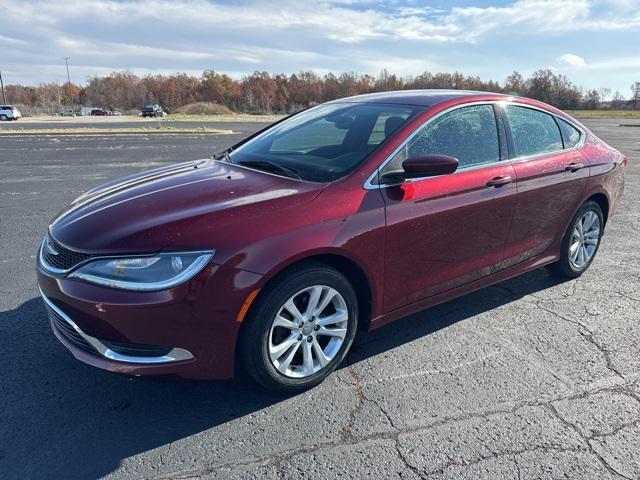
{"x": 595, "y": 43}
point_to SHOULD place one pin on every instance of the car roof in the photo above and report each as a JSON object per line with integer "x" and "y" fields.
{"x": 425, "y": 98}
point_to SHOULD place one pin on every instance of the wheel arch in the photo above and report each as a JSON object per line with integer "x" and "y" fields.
{"x": 349, "y": 267}
{"x": 603, "y": 202}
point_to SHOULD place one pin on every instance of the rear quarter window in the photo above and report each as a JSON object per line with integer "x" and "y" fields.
{"x": 570, "y": 134}
{"x": 533, "y": 132}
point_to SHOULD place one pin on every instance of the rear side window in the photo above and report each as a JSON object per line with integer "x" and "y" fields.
{"x": 570, "y": 134}
{"x": 534, "y": 132}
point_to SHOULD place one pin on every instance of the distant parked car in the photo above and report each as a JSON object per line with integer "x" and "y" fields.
{"x": 153, "y": 110}
{"x": 9, "y": 112}
{"x": 68, "y": 112}
{"x": 100, "y": 112}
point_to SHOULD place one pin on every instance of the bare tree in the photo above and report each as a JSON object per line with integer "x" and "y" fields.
{"x": 617, "y": 100}
{"x": 635, "y": 94}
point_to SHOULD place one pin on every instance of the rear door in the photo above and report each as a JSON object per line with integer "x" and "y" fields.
{"x": 448, "y": 230}
{"x": 551, "y": 174}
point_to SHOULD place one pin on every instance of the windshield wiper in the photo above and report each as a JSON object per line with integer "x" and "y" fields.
{"x": 223, "y": 156}
{"x": 271, "y": 167}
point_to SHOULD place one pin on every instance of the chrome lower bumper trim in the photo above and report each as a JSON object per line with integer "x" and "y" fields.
{"x": 175, "y": 355}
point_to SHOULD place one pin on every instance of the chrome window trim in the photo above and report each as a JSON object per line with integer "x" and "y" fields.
{"x": 175, "y": 355}
{"x": 369, "y": 185}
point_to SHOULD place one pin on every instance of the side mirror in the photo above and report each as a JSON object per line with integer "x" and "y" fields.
{"x": 423, "y": 165}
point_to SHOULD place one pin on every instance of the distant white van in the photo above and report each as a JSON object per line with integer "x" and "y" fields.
{"x": 9, "y": 112}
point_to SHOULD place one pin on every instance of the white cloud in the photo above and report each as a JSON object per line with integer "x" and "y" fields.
{"x": 405, "y": 36}
{"x": 571, "y": 60}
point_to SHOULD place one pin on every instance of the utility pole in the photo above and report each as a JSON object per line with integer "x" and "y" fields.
{"x": 4, "y": 97}
{"x": 66, "y": 62}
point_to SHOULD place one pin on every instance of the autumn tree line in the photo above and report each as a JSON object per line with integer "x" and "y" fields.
{"x": 263, "y": 92}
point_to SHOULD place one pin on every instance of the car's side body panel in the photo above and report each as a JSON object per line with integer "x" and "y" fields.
{"x": 548, "y": 194}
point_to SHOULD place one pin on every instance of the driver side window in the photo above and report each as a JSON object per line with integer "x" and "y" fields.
{"x": 469, "y": 134}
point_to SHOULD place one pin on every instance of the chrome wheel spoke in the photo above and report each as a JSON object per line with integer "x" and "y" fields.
{"x": 589, "y": 219}
{"x": 573, "y": 249}
{"x": 307, "y": 356}
{"x": 284, "y": 365}
{"x": 290, "y": 307}
{"x": 277, "y": 351}
{"x": 328, "y": 295}
{"x": 338, "y": 317}
{"x": 333, "y": 332}
{"x": 314, "y": 298}
{"x": 280, "y": 321}
{"x": 594, "y": 233}
{"x": 322, "y": 358}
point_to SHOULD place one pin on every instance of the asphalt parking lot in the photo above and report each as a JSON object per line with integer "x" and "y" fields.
{"x": 527, "y": 379}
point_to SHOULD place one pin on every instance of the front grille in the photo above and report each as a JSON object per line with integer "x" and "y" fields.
{"x": 63, "y": 327}
{"x": 65, "y": 259}
{"x": 137, "y": 350}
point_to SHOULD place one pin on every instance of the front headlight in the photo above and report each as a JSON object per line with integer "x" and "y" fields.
{"x": 144, "y": 273}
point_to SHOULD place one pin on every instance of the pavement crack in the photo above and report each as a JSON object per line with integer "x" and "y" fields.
{"x": 345, "y": 431}
{"x": 586, "y": 333}
{"x": 408, "y": 465}
{"x": 347, "y": 439}
{"x": 585, "y": 440}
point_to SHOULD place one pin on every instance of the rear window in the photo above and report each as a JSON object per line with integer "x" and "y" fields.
{"x": 570, "y": 134}
{"x": 534, "y": 132}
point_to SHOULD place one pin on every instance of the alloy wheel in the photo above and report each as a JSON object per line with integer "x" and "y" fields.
{"x": 584, "y": 240}
{"x": 308, "y": 331}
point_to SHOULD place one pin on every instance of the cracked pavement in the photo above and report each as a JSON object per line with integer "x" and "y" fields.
{"x": 530, "y": 379}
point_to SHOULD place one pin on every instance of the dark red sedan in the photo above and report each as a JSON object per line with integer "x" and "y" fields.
{"x": 353, "y": 213}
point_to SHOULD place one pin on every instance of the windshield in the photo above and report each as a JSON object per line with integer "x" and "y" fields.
{"x": 325, "y": 142}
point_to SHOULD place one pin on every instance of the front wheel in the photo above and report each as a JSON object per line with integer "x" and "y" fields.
{"x": 581, "y": 241}
{"x": 300, "y": 329}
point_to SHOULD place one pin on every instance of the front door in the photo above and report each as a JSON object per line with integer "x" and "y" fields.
{"x": 448, "y": 230}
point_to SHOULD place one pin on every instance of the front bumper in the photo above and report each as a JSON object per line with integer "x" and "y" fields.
{"x": 68, "y": 332}
{"x": 189, "y": 331}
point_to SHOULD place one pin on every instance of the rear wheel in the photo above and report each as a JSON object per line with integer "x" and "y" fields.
{"x": 3, "y": 118}
{"x": 300, "y": 329}
{"x": 581, "y": 241}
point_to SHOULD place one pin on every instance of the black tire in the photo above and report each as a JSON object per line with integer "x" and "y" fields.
{"x": 564, "y": 267}
{"x": 255, "y": 335}
{"x": 3, "y": 118}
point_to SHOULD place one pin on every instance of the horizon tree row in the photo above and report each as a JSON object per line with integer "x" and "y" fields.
{"x": 263, "y": 92}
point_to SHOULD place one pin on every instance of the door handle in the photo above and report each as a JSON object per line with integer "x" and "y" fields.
{"x": 574, "y": 167}
{"x": 499, "y": 181}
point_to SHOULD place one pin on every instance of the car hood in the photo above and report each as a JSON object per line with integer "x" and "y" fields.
{"x": 185, "y": 206}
